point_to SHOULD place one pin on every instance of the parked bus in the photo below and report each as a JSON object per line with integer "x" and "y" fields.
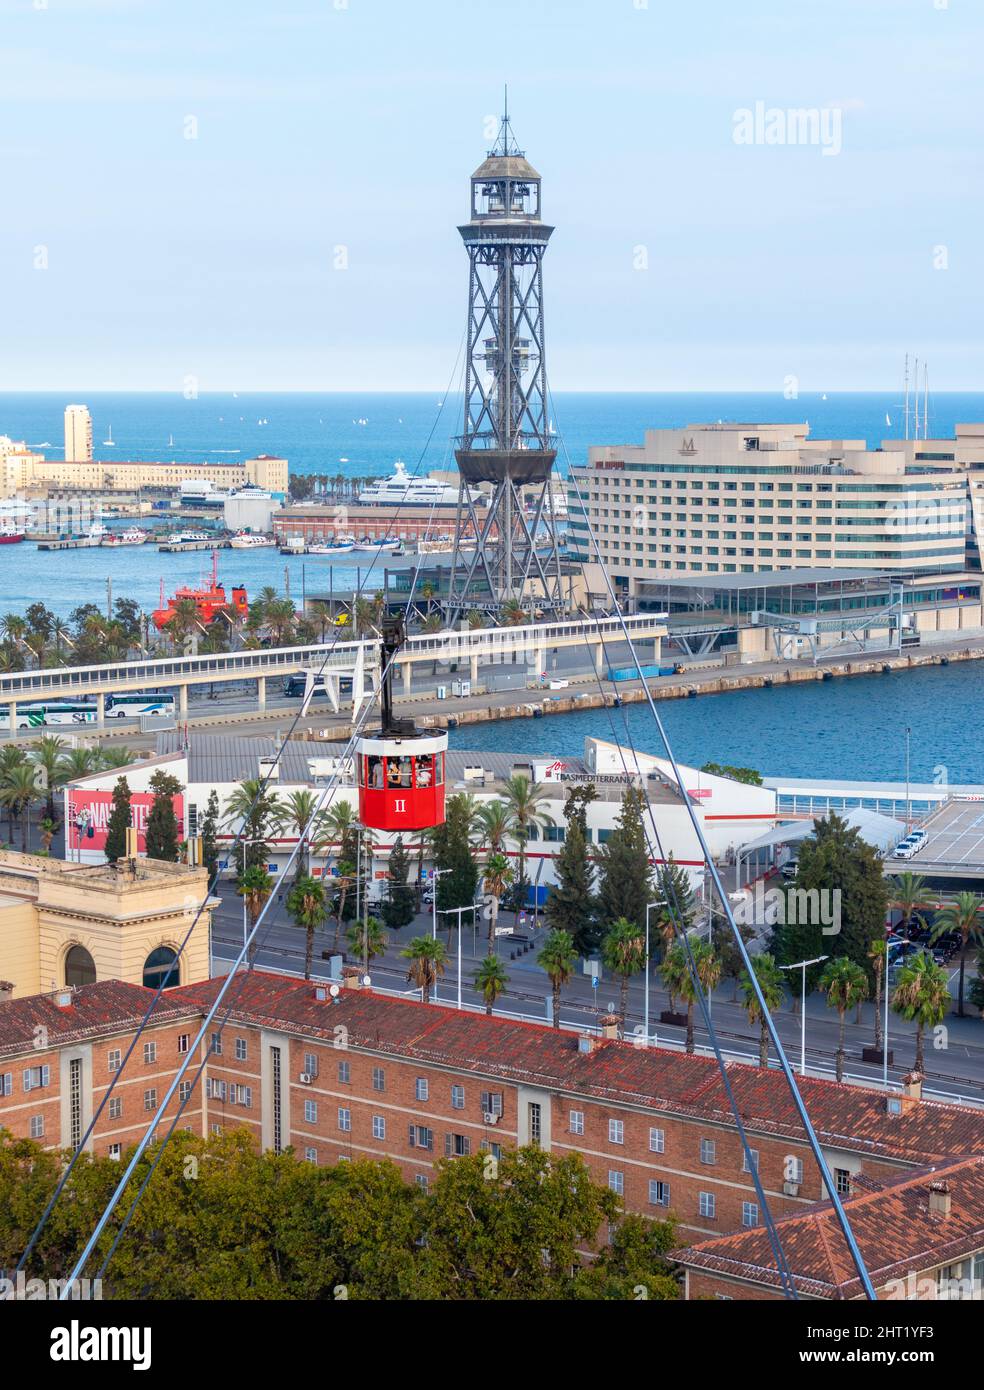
{"x": 41, "y": 716}
{"x": 132, "y": 706}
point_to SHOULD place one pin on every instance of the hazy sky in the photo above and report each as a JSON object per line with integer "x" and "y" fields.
{"x": 323, "y": 124}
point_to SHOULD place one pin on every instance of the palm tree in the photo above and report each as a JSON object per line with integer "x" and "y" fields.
{"x": 306, "y": 904}
{"x": 922, "y": 995}
{"x": 679, "y": 977}
{"x": 491, "y": 980}
{"x": 623, "y": 952}
{"x": 524, "y": 800}
{"x": 46, "y": 754}
{"x": 476, "y": 620}
{"x": 13, "y": 627}
{"x": 427, "y": 957}
{"x": 336, "y": 828}
{"x": 963, "y": 915}
{"x": 878, "y": 955}
{"x": 845, "y": 984}
{"x": 367, "y": 939}
{"x": 495, "y": 824}
{"x": 118, "y": 756}
{"x": 908, "y": 894}
{"x": 513, "y": 614}
{"x": 18, "y": 790}
{"x": 255, "y": 887}
{"x": 78, "y": 762}
{"x": 770, "y": 982}
{"x": 496, "y": 878}
{"x": 10, "y": 757}
{"x": 250, "y": 806}
{"x": 559, "y": 959}
{"x": 295, "y": 815}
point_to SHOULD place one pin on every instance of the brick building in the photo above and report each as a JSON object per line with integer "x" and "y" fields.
{"x": 371, "y": 1076}
{"x": 921, "y": 1236}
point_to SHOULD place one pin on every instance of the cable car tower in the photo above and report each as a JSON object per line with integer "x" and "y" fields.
{"x": 506, "y": 441}
{"x": 400, "y": 769}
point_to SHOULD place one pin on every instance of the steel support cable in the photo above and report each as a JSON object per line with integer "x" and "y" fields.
{"x": 679, "y": 925}
{"x": 264, "y": 782}
{"x": 328, "y": 791}
{"x": 826, "y": 1176}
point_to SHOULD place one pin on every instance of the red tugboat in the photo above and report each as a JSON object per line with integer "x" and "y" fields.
{"x": 208, "y": 601}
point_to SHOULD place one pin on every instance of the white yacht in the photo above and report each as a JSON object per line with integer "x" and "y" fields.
{"x": 403, "y": 490}
{"x": 341, "y": 546}
{"x": 250, "y": 540}
{"x": 187, "y": 537}
{"x": 133, "y": 535}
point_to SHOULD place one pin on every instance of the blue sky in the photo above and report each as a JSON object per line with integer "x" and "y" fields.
{"x": 323, "y": 124}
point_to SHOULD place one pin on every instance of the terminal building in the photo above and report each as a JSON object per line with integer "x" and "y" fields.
{"x": 738, "y": 499}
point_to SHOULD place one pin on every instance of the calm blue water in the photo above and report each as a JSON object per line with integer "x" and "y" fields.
{"x": 851, "y": 727}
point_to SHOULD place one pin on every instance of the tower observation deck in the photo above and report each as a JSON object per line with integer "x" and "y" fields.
{"x": 505, "y": 443}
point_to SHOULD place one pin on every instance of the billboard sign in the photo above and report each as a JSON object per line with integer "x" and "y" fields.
{"x": 89, "y": 812}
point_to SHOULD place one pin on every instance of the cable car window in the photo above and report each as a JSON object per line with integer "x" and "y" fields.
{"x": 425, "y": 770}
{"x": 374, "y": 772}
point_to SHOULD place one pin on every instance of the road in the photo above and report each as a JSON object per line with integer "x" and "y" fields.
{"x": 955, "y": 1071}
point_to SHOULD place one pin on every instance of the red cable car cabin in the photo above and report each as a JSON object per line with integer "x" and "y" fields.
{"x": 401, "y": 780}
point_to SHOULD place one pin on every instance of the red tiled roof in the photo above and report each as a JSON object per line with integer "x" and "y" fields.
{"x": 108, "y": 1005}
{"x": 896, "y": 1233}
{"x": 846, "y": 1117}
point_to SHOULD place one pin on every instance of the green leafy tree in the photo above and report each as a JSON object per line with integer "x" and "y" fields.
{"x": 162, "y": 823}
{"x": 398, "y": 907}
{"x": 623, "y": 952}
{"x": 747, "y": 775}
{"x": 677, "y": 907}
{"x": 624, "y": 875}
{"x": 559, "y": 959}
{"x": 458, "y": 882}
{"x": 962, "y": 916}
{"x": 210, "y": 830}
{"x": 570, "y": 901}
{"x": 119, "y": 821}
{"x": 306, "y": 905}
{"x": 679, "y": 977}
{"x": 724, "y": 943}
{"x": 845, "y": 985}
{"x": 770, "y": 982}
{"x": 922, "y": 996}
{"x": 909, "y": 894}
{"x": 491, "y": 980}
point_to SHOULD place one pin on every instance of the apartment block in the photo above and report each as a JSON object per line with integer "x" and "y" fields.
{"x": 78, "y": 434}
{"x": 24, "y": 471}
{"x": 739, "y": 499}
{"x": 373, "y": 1076}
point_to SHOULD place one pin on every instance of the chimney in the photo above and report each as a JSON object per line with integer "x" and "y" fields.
{"x": 586, "y": 1043}
{"x": 912, "y": 1086}
{"x": 939, "y": 1198}
{"x": 351, "y": 977}
{"x": 609, "y": 1026}
{"x": 6, "y": 990}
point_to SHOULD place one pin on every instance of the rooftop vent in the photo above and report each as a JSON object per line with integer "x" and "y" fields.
{"x": 608, "y": 1023}
{"x": 939, "y": 1198}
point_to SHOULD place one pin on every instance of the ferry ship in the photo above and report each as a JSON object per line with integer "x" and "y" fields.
{"x": 131, "y": 536}
{"x": 209, "y": 600}
{"x": 249, "y": 540}
{"x": 95, "y": 535}
{"x": 187, "y": 537}
{"x": 10, "y": 534}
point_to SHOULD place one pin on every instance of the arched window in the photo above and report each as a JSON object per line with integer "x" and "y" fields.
{"x": 156, "y": 967}
{"x": 80, "y": 968}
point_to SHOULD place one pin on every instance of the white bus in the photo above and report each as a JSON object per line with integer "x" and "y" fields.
{"x": 40, "y": 716}
{"x": 132, "y": 706}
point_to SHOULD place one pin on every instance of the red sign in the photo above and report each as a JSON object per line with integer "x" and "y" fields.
{"x": 701, "y": 792}
{"x": 88, "y": 818}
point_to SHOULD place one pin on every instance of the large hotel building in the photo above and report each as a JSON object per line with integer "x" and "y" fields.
{"x": 738, "y": 499}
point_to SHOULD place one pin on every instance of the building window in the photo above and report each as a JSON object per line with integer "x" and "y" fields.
{"x": 708, "y": 1205}
{"x": 344, "y": 1119}
{"x": 115, "y": 1108}
{"x": 6, "y": 1083}
{"x": 492, "y": 1103}
{"x": 616, "y": 1132}
{"x": 80, "y": 968}
{"x": 659, "y": 1193}
{"x": 616, "y": 1181}
{"x": 35, "y": 1078}
{"x": 150, "y": 1053}
{"x": 344, "y": 1072}
{"x": 422, "y": 1088}
{"x": 114, "y": 1059}
{"x": 535, "y": 1116}
{"x": 311, "y": 1155}
{"x": 240, "y": 1049}
{"x": 150, "y": 1099}
{"x": 421, "y": 1137}
{"x": 75, "y": 1102}
{"x": 183, "y": 1043}
{"x": 37, "y": 1126}
{"x": 311, "y": 1063}
{"x": 708, "y": 1151}
{"x": 156, "y": 968}
{"x": 311, "y": 1112}
{"x": 749, "y": 1214}
{"x": 576, "y": 1124}
{"x": 747, "y": 1167}
{"x": 794, "y": 1170}
{"x": 115, "y": 1151}
{"x": 277, "y": 1100}
{"x": 457, "y": 1145}
{"x": 457, "y": 1097}
{"x": 421, "y": 1180}
{"x": 378, "y": 1079}
{"x": 379, "y": 1126}
{"x": 842, "y": 1181}
{"x": 215, "y": 1046}
{"x": 657, "y": 1141}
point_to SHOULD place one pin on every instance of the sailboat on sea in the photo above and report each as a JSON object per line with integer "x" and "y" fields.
{"x": 109, "y": 443}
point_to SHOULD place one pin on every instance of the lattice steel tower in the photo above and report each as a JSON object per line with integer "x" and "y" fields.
{"x": 506, "y": 438}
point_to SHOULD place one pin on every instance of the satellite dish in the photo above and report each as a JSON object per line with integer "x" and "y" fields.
{"x": 367, "y": 980}
{"x": 334, "y": 991}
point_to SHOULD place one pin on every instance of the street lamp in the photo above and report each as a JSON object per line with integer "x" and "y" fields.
{"x": 801, "y": 965}
{"x": 908, "y": 799}
{"x": 467, "y": 907}
{"x": 660, "y": 902}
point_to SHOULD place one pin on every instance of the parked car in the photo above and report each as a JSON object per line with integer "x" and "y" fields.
{"x": 905, "y": 849}
{"x": 790, "y": 869}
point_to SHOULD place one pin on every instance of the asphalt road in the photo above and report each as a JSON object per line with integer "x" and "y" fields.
{"x": 955, "y": 1071}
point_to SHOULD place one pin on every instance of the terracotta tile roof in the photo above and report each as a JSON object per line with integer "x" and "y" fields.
{"x": 895, "y": 1229}
{"x": 105, "y": 1007}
